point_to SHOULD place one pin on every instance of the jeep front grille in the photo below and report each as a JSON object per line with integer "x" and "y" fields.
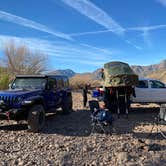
{"x": 9, "y": 99}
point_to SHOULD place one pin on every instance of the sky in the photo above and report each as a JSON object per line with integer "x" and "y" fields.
{"x": 82, "y": 35}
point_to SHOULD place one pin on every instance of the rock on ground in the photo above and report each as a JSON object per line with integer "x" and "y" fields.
{"x": 67, "y": 140}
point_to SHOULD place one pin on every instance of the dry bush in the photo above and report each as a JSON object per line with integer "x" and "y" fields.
{"x": 79, "y": 81}
{"x": 5, "y": 78}
{"x": 4, "y": 81}
{"x": 96, "y": 83}
{"x": 3, "y": 70}
{"x": 20, "y": 60}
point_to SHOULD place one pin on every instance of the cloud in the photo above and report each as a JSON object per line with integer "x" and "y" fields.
{"x": 146, "y": 28}
{"x": 146, "y": 37}
{"x": 96, "y": 14}
{"x": 98, "y": 49}
{"x": 89, "y": 33}
{"x": 130, "y": 43}
{"x": 31, "y": 24}
{"x": 62, "y": 50}
{"x": 140, "y": 28}
{"x": 85, "y": 62}
{"x": 162, "y": 2}
{"x": 105, "y": 31}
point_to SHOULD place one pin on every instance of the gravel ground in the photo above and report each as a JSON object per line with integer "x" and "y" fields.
{"x": 67, "y": 140}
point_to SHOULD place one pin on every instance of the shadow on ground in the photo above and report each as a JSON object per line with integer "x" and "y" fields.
{"x": 78, "y": 123}
{"x": 139, "y": 123}
{"x": 14, "y": 127}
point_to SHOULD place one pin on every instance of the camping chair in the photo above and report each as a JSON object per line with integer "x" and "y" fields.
{"x": 96, "y": 117}
{"x": 160, "y": 122}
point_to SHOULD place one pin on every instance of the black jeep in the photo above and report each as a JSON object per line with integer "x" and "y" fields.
{"x": 31, "y": 96}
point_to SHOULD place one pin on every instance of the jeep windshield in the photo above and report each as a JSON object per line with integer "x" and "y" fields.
{"x": 28, "y": 83}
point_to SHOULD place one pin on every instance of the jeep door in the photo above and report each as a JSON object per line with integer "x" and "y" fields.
{"x": 59, "y": 89}
{"x": 52, "y": 96}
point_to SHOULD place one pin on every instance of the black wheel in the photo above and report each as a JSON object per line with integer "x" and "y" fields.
{"x": 36, "y": 118}
{"x": 67, "y": 104}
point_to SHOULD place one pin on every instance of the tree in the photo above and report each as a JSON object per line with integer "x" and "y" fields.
{"x": 20, "y": 60}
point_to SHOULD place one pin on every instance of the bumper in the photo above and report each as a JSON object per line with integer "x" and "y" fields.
{"x": 13, "y": 114}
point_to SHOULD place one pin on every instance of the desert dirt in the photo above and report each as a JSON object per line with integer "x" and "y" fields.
{"x": 67, "y": 140}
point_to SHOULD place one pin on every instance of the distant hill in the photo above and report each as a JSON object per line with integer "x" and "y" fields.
{"x": 67, "y": 72}
{"x": 160, "y": 75}
{"x": 154, "y": 71}
{"x": 157, "y": 71}
{"x": 144, "y": 71}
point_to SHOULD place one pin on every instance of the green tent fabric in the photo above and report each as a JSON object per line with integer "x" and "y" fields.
{"x": 117, "y": 74}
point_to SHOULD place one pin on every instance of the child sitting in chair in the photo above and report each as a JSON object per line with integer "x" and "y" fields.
{"x": 100, "y": 114}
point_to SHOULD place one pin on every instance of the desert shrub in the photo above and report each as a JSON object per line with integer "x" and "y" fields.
{"x": 4, "y": 81}
{"x": 79, "y": 81}
{"x": 96, "y": 83}
{"x": 3, "y": 70}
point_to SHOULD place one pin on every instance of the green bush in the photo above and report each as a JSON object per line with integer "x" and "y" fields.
{"x": 4, "y": 81}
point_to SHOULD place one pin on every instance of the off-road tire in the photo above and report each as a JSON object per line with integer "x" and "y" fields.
{"x": 67, "y": 104}
{"x": 36, "y": 118}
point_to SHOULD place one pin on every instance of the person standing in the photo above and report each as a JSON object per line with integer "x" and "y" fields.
{"x": 84, "y": 95}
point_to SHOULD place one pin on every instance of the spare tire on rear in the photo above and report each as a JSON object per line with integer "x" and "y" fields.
{"x": 36, "y": 118}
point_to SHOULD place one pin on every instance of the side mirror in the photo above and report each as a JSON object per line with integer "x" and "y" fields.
{"x": 10, "y": 86}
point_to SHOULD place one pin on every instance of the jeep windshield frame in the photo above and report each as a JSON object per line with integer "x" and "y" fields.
{"x": 29, "y": 83}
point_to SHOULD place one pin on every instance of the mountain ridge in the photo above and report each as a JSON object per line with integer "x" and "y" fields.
{"x": 144, "y": 71}
{"x": 157, "y": 71}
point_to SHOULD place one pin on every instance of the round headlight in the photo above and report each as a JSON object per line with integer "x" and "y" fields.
{"x": 18, "y": 99}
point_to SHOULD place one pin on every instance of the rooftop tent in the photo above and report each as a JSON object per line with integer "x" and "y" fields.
{"x": 118, "y": 74}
